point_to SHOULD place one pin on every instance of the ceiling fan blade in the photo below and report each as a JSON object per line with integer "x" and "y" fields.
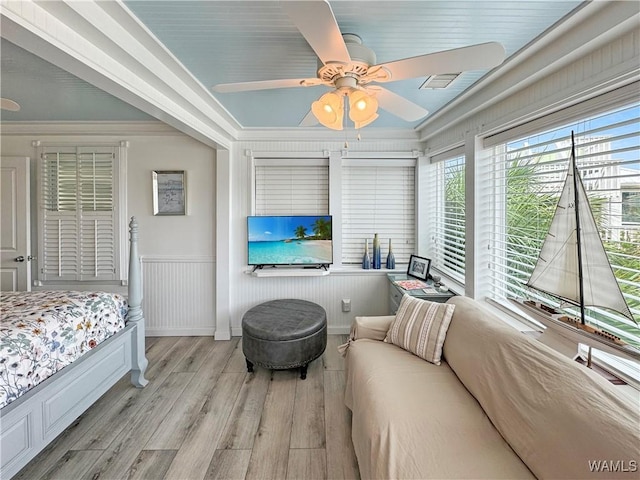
{"x": 9, "y": 105}
{"x": 266, "y": 85}
{"x": 317, "y": 24}
{"x": 397, "y": 105}
{"x": 309, "y": 120}
{"x": 474, "y": 57}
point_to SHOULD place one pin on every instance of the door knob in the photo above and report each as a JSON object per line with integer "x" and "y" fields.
{"x": 20, "y": 259}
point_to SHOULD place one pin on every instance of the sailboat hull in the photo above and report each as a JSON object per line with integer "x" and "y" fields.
{"x": 574, "y": 330}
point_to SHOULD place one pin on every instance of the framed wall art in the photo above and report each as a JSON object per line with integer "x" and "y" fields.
{"x": 169, "y": 192}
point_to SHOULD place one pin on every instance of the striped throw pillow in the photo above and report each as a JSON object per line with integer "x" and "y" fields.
{"x": 420, "y": 327}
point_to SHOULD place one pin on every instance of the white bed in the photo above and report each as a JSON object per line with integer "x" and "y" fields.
{"x": 31, "y": 421}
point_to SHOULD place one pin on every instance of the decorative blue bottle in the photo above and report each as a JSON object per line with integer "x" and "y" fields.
{"x": 366, "y": 260}
{"x": 391, "y": 259}
{"x": 377, "y": 260}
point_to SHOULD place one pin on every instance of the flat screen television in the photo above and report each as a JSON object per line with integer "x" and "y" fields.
{"x": 304, "y": 240}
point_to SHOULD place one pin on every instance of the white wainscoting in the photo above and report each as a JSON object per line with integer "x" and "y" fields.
{"x": 367, "y": 290}
{"x": 179, "y": 295}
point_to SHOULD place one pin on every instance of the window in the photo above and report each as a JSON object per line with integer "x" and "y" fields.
{"x": 378, "y": 196}
{"x": 527, "y": 175}
{"x": 291, "y": 186}
{"x": 446, "y": 213}
{"x": 631, "y": 207}
{"x": 78, "y": 222}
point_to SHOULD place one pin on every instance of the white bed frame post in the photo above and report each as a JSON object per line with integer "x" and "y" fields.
{"x": 139, "y": 361}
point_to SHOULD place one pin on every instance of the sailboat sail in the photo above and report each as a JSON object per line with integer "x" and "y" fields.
{"x": 557, "y": 270}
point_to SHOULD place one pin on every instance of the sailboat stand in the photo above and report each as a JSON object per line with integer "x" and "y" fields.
{"x": 574, "y": 268}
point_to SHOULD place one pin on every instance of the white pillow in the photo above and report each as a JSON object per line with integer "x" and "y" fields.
{"x": 420, "y": 327}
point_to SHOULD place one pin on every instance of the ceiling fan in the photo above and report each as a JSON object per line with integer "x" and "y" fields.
{"x": 350, "y": 69}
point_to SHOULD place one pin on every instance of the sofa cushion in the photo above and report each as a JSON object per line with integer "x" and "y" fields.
{"x": 415, "y": 420}
{"x": 420, "y": 327}
{"x": 558, "y": 416}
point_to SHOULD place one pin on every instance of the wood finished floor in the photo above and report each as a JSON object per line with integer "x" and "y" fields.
{"x": 202, "y": 416}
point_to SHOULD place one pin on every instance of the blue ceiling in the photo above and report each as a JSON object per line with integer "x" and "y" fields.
{"x": 239, "y": 41}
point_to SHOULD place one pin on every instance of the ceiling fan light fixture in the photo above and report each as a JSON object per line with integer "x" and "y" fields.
{"x": 362, "y": 107}
{"x": 328, "y": 110}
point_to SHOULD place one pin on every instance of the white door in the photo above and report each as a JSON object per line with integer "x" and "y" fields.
{"x": 15, "y": 239}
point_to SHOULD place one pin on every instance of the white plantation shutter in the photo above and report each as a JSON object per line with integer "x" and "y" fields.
{"x": 378, "y": 197}
{"x": 97, "y": 243}
{"x": 59, "y": 252}
{"x": 78, "y": 214}
{"x": 292, "y": 189}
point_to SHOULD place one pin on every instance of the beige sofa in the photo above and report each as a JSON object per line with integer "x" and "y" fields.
{"x": 501, "y": 405}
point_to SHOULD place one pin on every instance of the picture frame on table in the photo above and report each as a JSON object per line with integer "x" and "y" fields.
{"x": 419, "y": 267}
{"x": 169, "y": 192}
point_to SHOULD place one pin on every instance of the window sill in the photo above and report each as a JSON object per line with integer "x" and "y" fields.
{"x": 290, "y": 272}
{"x": 454, "y": 285}
{"x": 356, "y": 270}
{"x": 342, "y": 270}
{"x": 512, "y": 317}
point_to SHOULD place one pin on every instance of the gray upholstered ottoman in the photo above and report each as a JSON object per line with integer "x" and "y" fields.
{"x": 284, "y": 334}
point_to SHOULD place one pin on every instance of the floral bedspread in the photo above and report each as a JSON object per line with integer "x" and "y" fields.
{"x": 42, "y": 332}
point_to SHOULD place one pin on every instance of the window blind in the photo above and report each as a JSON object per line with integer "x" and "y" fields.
{"x": 447, "y": 215}
{"x": 291, "y": 190}
{"x": 527, "y": 174}
{"x": 78, "y": 214}
{"x": 378, "y": 199}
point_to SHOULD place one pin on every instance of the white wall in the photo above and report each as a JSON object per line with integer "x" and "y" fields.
{"x": 177, "y": 251}
{"x": 190, "y": 235}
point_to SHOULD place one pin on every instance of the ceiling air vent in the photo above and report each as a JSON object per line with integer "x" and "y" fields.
{"x": 439, "y": 81}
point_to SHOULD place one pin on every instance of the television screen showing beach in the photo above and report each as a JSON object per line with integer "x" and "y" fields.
{"x": 294, "y": 240}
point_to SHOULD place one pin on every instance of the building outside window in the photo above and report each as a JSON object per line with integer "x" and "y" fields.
{"x": 631, "y": 207}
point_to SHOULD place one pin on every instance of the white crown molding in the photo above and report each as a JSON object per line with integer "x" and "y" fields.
{"x": 591, "y": 26}
{"x": 121, "y": 129}
{"x": 117, "y": 54}
{"x": 146, "y": 128}
{"x": 315, "y": 134}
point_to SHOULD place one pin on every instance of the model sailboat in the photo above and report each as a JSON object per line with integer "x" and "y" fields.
{"x": 573, "y": 265}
